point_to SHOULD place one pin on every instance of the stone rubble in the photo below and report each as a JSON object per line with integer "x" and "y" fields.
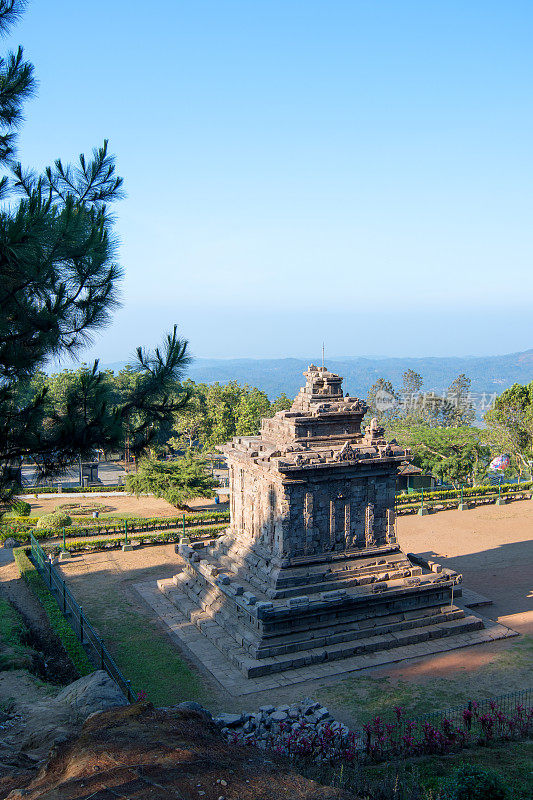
{"x": 262, "y": 726}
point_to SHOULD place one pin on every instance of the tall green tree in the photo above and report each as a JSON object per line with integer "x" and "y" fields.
{"x": 452, "y": 455}
{"x": 510, "y": 426}
{"x": 58, "y": 285}
{"x": 178, "y": 482}
{"x": 252, "y": 407}
{"x": 383, "y": 401}
{"x": 190, "y": 425}
{"x": 281, "y": 403}
{"x": 458, "y": 409}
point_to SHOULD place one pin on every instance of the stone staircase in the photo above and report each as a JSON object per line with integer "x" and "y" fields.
{"x": 220, "y": 628}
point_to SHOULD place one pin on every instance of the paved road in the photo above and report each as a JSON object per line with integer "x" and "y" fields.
{"x": 6, "y": 556}
{"x": 108, "y": 474}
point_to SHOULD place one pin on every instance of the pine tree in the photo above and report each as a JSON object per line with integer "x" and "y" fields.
{"x": 179, "y": 481}
{"x": 58, "y": 284}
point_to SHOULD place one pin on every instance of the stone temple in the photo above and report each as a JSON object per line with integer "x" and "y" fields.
{"x": 309, "y": 569}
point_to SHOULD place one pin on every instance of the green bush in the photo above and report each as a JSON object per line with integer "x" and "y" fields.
{"x": 21, "y": 532}
{"x": 21, "y": 508}
{"x": 73, "y": 489}
{"x": 476, "y": 783}
{"x": 110, "y": 542}
{"x": 59, "y": 625}
{"x": 21, "y": 528}
{"x": 54, "y": 521}
{"x": 468, "y": 491}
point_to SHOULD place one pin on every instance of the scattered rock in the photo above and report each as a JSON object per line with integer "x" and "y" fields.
{"x": 229, "y": 720}
{"x": 94, "y": 692}
{"x": 11, "y": 542}
{"x": 263, "y": 727}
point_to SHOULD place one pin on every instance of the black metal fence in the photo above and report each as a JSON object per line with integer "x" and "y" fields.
{"x": 73, "y": 613}
{"x": 507, "y": 704}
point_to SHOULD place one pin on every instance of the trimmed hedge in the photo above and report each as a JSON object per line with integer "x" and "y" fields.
{"x": 114, "y": 542}
{"x": 73, "y": 489}
{"x": 58, "y": 623}
{"x": 468, "y": 491}
{"x": 21, "y": 531}
{"x": 54, "y": 521}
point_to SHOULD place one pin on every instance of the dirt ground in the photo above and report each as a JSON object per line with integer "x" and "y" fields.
{"x": 123, "y": 506}
{"x": 490, "y": 546}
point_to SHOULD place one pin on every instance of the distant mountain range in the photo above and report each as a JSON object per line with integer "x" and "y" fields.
{"x": 489, "y": 374}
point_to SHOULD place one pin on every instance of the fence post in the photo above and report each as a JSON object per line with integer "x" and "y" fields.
{"x": 126, "y": 546}
{"x": 462, "y": 506}
{"x": 423, "y": 511}
{"x": 184, "y": 524}
{"x": 81, "y": 624}
{"x": 64, "y": 599}
{"x": 64, "y": 552}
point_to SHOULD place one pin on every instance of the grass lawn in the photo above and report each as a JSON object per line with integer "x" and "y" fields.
{"x": 506, "y": 670}
{"x": 142, "y": 651}
{"x": 14, "y": 653}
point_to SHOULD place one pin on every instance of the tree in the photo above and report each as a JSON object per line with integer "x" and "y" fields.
{"x": 221, "y": 403}
{"x": 281, "y": 403}
{"x": 457, "y": 408}
{"x": 410, "y": 394}
{"x": 177, "y": 482}
{"x": 510, "y": 425}
{"x": 190, "y": 424}
{"x": 382, "y": 401}
{"x": 58, "y": 284}
{"x": 412, "y": 382}
{"x": 252, "y": 407}
{"x": 452, "y": 455}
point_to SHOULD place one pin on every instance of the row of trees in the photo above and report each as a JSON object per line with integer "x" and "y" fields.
{"x": 438, "y": 429}
{"x": 202, "y": 415}
{"x": 441, "y": 433}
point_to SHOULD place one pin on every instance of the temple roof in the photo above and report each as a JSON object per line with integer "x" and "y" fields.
{"x": 322, "y": 429}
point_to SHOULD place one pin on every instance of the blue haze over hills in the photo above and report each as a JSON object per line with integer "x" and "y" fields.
{"x": 489, "y": 374}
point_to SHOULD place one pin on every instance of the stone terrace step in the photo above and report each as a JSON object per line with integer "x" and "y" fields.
{"x": 251, "y": 667}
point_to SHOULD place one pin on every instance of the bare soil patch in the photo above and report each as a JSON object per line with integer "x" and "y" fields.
{"x": 140, "y": 752}
{"x": 490, "y": 546}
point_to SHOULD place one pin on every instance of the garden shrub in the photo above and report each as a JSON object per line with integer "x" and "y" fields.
{"x": 110, "y": 542}
{"x": 21, "y": 532}
{"x": 468, "y": 491}
{"x": 54, "y": 521}
{"x": 472, "y": 782}
{"x": 58, "y": 623}
{"x": 73, "y": 489}
{"x": 21, "y": 508}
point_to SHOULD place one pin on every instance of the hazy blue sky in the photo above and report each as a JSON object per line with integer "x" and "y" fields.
{"x": 354, "y": 172}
